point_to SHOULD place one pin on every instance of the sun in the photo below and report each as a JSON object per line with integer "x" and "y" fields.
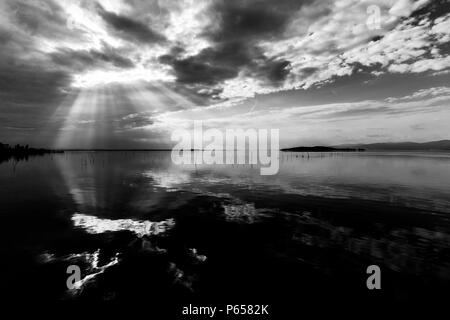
{"x": 125, "y": 77}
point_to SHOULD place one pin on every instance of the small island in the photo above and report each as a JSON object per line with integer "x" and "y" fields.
{"x": 321, "y": 149}
{"x": 19, "y": 152}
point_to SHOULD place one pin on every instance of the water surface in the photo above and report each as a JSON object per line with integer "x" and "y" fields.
{"x": 143, "y": 228}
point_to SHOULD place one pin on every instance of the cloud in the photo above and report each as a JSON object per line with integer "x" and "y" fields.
{"x": 422, "y": 93}
{"x": 338, "y": 40}
{"x": 212, "y": 47}
{"x": 421, "y": 102}
{"x": 210, "y": 66}
{"x": 411, "y": 47}
{"x": 219, "y": 59}
{"x": 30, "y": 94}
{"x": 30, "y": 84}
{"x": 417, "y": 127}
{"x": 250, "y": 20}
{"x": 436, "y": 64}
{"x": 79, "y": 60}
{"x": 136, "y": 120}
{"x": 233, "y": 34}
{"x": 127, "y": 27}
{"x": 402, "y": 8}
{"x": 39, "y": 19}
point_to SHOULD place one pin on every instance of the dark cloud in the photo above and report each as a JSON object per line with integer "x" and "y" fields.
{"x": 376, "y": 38}
{"x": 432, "y": 10}
{"x": 275, "y": 71}
{"x": 127, "y": 27}
{"x": 23, "y": 84}
{"x": 444, "y": 48}
{"x": 306, "y": 72}
{"x": 87, "y": 59}
{"x": 238, "y": 26}
{"x": 225, "y": 61}
{"x": 30, "y": 94}
{"x": 211, "y": 65}
{"x": 251, "y": 19}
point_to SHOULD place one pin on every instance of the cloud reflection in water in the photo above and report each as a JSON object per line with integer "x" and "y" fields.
{"x": 94, "y": 225}
{"x": 93, "y": 269}
{"x": 243, "y": 213}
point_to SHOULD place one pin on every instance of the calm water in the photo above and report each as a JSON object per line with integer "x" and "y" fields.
{"x": 142, "y": 228}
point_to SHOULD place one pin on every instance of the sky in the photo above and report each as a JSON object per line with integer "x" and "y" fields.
{"x": 126, "y": 73}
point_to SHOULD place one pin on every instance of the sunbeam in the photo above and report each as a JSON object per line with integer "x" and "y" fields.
{"x": 100, "y": 116}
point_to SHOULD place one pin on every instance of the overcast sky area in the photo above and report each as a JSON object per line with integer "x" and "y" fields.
{"x": 124, "y": 74}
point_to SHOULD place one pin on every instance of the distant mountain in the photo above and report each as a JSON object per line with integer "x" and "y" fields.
{"x": 402, "y": 146}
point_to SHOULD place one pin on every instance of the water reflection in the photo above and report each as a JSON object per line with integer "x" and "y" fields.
{"x": 93, "y": 224}
{"x": 243, "y": 213}
{"x": 101, "y": 182}
{"x": 168, "y": 180}
{"x": 92, "y": 270}
{"x": 133, "y": 219}
{"x": 401, "y": 249}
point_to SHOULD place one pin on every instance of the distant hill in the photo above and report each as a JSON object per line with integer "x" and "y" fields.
{"x": 402, "y": 146}
{"x": 321, "y": 149}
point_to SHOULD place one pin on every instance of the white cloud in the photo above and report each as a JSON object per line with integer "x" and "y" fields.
{"x": 324, "y": 40}
{"x": 398, "y": 116}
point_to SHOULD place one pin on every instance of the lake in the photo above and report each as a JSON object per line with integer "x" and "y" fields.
{"x": 141, "y": 228}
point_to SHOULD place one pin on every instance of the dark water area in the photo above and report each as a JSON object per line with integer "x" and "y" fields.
{"x": 144, "y": 230}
